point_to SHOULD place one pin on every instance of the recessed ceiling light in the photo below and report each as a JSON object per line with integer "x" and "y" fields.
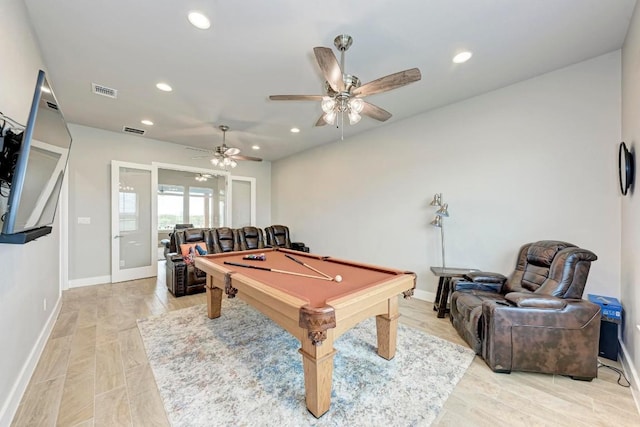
{"x": 295, "y": 130}
{"x": 146, "y": 122}
{"x": 255, "y": 147}
{"x": 462, "y": 57}
{"x": 198, "y": 20}
{"x": 164, "y": 87}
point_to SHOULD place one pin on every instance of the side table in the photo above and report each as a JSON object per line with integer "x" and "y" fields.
{"x": 444, "y": 286}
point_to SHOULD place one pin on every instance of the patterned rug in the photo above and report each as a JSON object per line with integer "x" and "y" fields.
{"x": 243, "y": 369}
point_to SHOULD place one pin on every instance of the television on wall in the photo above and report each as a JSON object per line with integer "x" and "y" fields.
{"x": 32, "y": 166}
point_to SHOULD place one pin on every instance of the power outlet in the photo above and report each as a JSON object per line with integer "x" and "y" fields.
{"x": 44, "y": 304}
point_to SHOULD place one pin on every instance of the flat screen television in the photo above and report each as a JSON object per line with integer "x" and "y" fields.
{"x": 32, "y": 168}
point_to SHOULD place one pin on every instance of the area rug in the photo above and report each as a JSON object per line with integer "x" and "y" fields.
{"x": 244, "y": 370}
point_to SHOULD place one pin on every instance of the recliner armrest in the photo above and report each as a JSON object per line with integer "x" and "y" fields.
{"x": 299, "y": 246}
{"x": 527, "y": 300}
{"x": 176, "y": 257}
{"x": 465, "y": 285}
{"x": 485, "y": 277}
{"x": 480, "y": 281}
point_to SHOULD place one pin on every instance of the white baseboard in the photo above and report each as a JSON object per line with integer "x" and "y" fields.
{"x": 631, "y": 372}
{"x": 424, "y": 295}
{"x": 10, "y": 406}
{"x": 89, "y": 281}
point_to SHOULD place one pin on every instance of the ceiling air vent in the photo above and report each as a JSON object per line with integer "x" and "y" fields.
{"x": 104, "y": 91}
{"x": 135, "y": 131}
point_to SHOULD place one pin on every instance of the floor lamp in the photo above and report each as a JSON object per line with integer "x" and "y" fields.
{"x": 443, "y": 211}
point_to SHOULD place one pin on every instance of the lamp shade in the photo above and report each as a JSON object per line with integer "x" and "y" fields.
{"x": 437, "y": 222}
{"x": 437, "y": 199}
{"x": 443, "y": 211}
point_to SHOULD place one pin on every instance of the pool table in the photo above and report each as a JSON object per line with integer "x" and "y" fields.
{"x": 313, "y": 308}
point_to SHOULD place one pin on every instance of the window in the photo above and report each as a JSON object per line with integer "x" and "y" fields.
{"x": 201, "y": 207}
{"x": 170, "y": 206}
{"x": 185, "y": 200}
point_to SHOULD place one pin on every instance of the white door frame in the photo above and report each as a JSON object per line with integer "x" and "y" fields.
{"x": 118, "y": 275}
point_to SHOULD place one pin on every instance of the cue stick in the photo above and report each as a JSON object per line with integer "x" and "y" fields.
{"x": 237, "y": 264}
{"x": 308, "y": 266}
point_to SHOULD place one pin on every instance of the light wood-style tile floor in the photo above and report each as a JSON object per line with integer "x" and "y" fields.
{"x": 94, "y": 372}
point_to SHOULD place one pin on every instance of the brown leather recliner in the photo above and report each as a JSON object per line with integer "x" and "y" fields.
{"x": 249, "y": 238}
{"x": 223, "y": 239}
{"x": 536, "y": 320}
{"x": 278, "y": 236}
{"x": 184, "y": 278}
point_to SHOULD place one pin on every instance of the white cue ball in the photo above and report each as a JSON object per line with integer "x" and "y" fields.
{"x": 338, "y": 278}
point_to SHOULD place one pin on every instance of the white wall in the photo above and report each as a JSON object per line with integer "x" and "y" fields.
{"x": 30, "y": 272}
{"x": 630, "y": 273}
{"x": 89, "y": 191}
{"x": 535, "y": 160}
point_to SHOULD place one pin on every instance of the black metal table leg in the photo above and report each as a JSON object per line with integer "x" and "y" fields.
{"x": 436, "y": 302}
{"x": 444, "y": 296}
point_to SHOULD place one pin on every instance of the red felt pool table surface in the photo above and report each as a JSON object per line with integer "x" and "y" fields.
{"x": 318, "y": 292}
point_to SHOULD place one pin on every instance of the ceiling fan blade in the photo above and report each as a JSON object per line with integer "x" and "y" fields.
{"x": 201, "y": 157}
{"x": 330, "y": 67}
{"x": 392, "y": 81}
{"x": 231, "y": 151}
{"x": 296, "y": 97}
{"x": 202, "y": 150}
{"x": 321, "y": 121}
{"x": 253, "y": 159}
{"x": 375, "y": 112}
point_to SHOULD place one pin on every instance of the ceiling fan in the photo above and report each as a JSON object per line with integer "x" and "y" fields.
{"x": 223, "y": 155}
{"x": 344, "y": 92}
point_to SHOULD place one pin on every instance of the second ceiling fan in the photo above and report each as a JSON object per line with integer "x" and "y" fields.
{"x": 344, "y": 92}
{"x": 223, "y": 155}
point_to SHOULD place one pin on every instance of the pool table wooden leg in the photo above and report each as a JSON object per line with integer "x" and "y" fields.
{"x": 317, "y": 361}
{"x": 214, "y": 299}
{"x": 387, "y": 329}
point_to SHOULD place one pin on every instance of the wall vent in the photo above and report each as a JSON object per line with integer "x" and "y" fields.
{"x": 52, "y": 105}
{"x": 104, "y": 91}
{"x": 135, "y": 131}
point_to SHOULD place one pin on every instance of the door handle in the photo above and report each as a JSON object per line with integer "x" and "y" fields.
{"x": 117, "y": 236}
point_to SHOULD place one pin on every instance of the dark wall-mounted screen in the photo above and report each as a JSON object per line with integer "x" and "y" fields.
{"x": 39, "y": 170}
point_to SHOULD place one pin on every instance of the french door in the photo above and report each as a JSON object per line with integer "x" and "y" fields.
{"x": 133, "y": 207}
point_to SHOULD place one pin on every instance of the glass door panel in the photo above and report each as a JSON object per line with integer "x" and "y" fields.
{"x": 132, "y": 222}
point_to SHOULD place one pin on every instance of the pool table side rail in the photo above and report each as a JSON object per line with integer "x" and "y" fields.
{"x": 281, "y": 307}
{"x": 358, "y": 306}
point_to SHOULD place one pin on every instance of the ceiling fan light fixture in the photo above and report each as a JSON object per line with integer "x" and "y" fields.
{"x": 233, "y": 163}
{"x": 328, "y": 104}
{"x": 354, "y": 117}
{"x": 215, "y": 161}
{"x": 356, "y": 104}
{"x": 330, "y": 117}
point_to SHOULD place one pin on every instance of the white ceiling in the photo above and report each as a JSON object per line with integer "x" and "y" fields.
{"x": 258, "y": 48}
